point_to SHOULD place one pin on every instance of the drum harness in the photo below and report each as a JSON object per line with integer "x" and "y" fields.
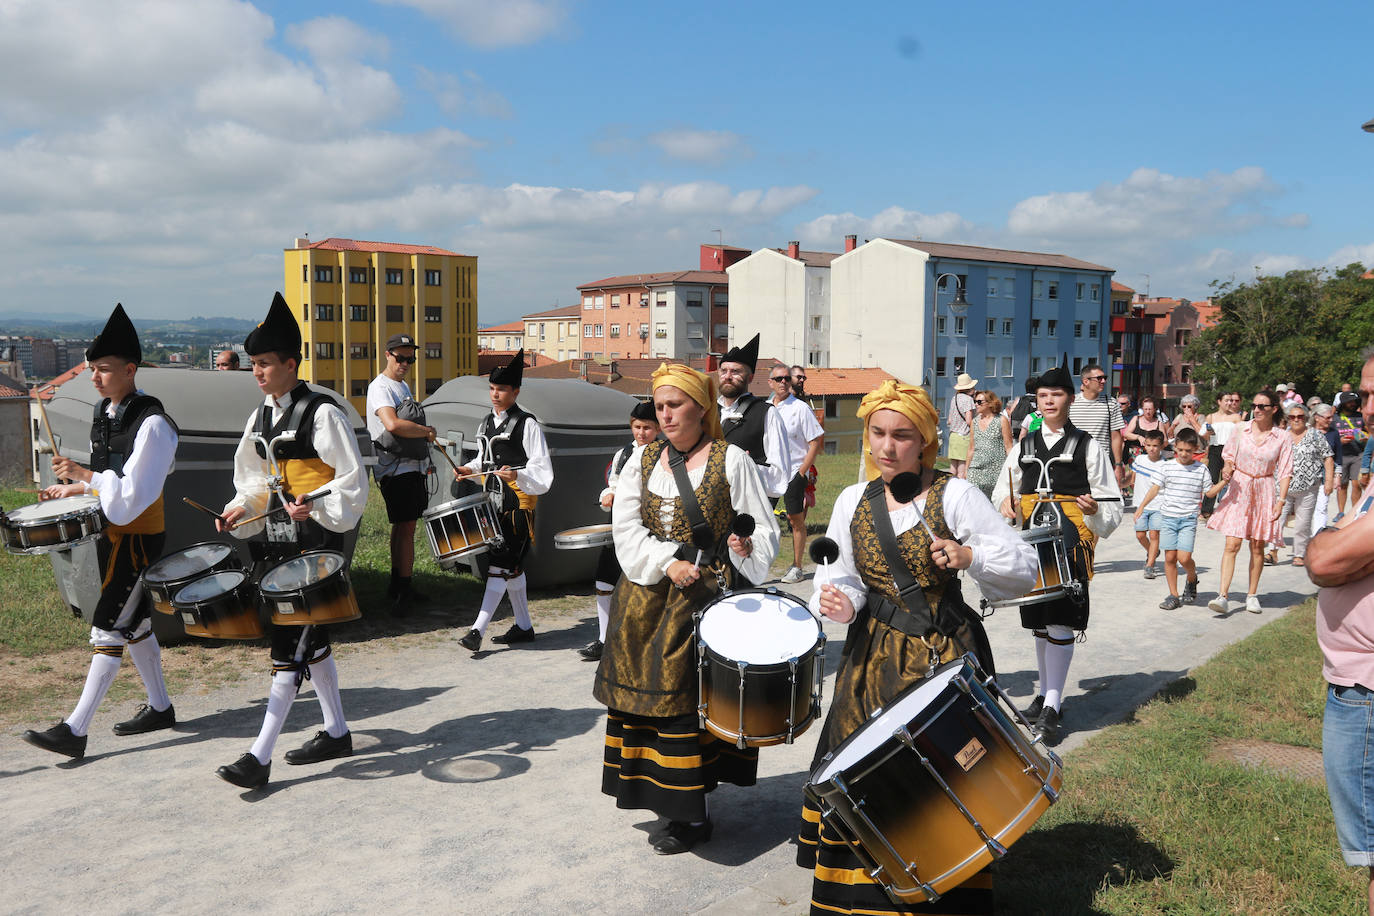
{"x": 703, "y": 538}
{"x": 1046, "y": 507}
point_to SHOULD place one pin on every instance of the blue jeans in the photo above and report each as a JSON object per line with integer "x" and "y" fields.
{"x": 1348, "y": 757}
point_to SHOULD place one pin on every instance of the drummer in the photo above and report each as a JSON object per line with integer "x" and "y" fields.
{"x": 512, "y": 448}
{"x": 1094, "y": 511}
{"x": 643, "y": 429}
{"x": 322, "y": 458}
{"x": 677, "y": 557}
{"x": 133, "y": 445}
{"x": 893, "y": 643}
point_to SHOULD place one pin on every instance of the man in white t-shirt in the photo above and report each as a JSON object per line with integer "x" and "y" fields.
{"x": 805, "y": 436}
{"x": 402, "y": 463}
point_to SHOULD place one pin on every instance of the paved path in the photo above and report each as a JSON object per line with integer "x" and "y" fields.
{"x": 475, "y": 783}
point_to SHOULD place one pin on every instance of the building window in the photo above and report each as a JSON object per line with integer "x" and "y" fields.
{"x": 644, "y": 331}
{"x": 1035, "y": 327}
{"x": 434, "y": 313}
{"x": 992, "y": 286}
{"x": 357, "y": 313}
{"x": 695, "y": 331}
{"x": 959, "y": 325}
{"x": 1006, "y": 327}
{"x": 394, "y": 276}
{"x": 960, "y": 279}
{"x": 615, "y": 301}
{"x": 1077, "y": 330}
{"x": 395, "y": 313}
{"x": 305, "y": 313}
{"x": 358, "y": 388}
{"x": 433, "y": 278}
{"x": 990, "y": 366}
{"x": 357, "y": 351}
{"x": 1008, "y": 363}
{"x": 599, "y": 328}
{"x": 815, "y": 322}
{"x": 661, "y": 300}
{"x": 1168, "y": 374}
{"x": 1095, "y": 292}
{"x": 434, "y": 351}
{"x": 1051, "y": 361}
{"x": 721, "y": 331}
{"x": 324, "y": 350}
{"x": 992, "y": 327}
{"x": 1035, "y": 365}
{"x": 324, "y": 313}
{"x": 1054, "y": 289}
{"x": 586, "y": 302}
{"x": 1078, "y": 365}
{"x": 586, "y": 330}
{"x": 832, "y": 408}
{"x": 1078, "y": 291}
{"x": 939, "y": 324}
{"x": 720, "y": 300}
{"x": 694, "y": 300}
{"x": 357, "y": 275}
{"x": 959, "y": 365}
{"x": 615, "y": 330}
{"x": 324, "y": 275}
{"x": 599, "y": 302}
{"x": 940, "y": 367}
{"x": 326, "y": 383}
{"x": 643, "y": 300}
{"x": 1009, "y": 287}
{"x": 660, "y": 331}
{"x": 1037, "y": 289}
{"x": 1052, "y": 327}
{"x": 1092, "y": 330}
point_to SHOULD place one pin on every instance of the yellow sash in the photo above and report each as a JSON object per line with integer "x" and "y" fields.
{"x": 302, "y": 475}
{"x": 149, "y": 521}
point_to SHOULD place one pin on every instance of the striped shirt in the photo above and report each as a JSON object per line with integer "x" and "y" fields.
{"x": 1146, "y": 473}
{"x": 1180, "y": 488}
{"x": 1098, "y": 418}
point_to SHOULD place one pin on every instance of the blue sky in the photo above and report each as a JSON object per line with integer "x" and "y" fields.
{"x": 163, "y": 154}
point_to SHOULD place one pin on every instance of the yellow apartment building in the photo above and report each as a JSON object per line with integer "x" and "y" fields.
{"x": 556, "y": 333}
{"x": 350, "y": 296}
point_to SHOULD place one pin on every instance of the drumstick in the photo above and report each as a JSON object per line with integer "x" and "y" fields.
{"x": 52, "y": 440}
{"x": 1011, "y": 496}
{"x": 206, "y": 509}
{"x": 447, "y": 457}
{"x": 823, "y": 550}
{"x": 306, "y": 499}
{"x": 488, "y": 473}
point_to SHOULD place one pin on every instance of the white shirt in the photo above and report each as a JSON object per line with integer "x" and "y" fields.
{"x": 124, "y": 497}
{"x": 778, "y": 473}
{"x": 612, "y": 474}
{"x": 1101, "y": 482}
{"x": 536, "y": 476}
{"x": 1004, "y": 565}
{"x": 1180, "y": 488}
{"x": 1146, "y": 471}
{"x": 342, "y": 506}
{"x": 645, "y": 559}
{"x": 384, "y": 391}
{"x": 802, "y": 429}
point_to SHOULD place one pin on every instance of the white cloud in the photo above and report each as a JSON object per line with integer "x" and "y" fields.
{"x": 893, "y": 223}
{"x": 1349, "y": 254}
{"x": 463, "y": 94}
{"x": 706, "y": 147}
{"x": 493, "y": 24}
{"x": 334, "y": 38}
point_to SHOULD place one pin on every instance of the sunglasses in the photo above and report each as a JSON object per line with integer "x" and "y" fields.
{"x": 979, "y": 401}
{"x": 403, "y": 360}
{"x": 1095, "y": 378}
{"x": 800, "y": 378}
{"x": 779, "y": 378}
{"x": 1261, "y": 406}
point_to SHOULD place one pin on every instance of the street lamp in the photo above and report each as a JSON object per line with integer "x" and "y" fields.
{"x": 958, "y": 305}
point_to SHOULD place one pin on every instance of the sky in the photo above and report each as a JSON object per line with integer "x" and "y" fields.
{"x": 163, "y": 153}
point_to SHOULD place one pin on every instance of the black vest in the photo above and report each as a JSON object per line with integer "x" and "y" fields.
{"x": 746, "y": 431}
{"x": 506, "y": 443}
{"x": 112, "y": 438}
{"x": 622, "y": 456}
{"x": 298, "y": 418}
{"x": 1067, "y": 478}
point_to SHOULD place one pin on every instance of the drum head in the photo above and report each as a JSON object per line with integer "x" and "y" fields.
{"x": 208, "y": 587}
{"x": 301, "y": 572}
{"x": 759, "y": 628}
{"x": 52, "y": 508}
{"x": 194, "y": 559}
{"x": 901, "y": 711}
{"x": 454, "y": 505}
{"x": 586, "y": 536}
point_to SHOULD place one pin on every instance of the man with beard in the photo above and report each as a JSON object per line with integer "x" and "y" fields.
{"x": 749, "y": 421}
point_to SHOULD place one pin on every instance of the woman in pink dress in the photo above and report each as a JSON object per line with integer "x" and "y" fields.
{"x": 1258, "y": 464}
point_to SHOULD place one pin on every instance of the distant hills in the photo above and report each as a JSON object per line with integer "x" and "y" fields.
{"x": 66, "y": 324}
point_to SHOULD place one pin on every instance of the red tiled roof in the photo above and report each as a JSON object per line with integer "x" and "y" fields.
{"x": 1121, "y": 288}
{"x": 510, "y": 327}
{"x": 661, "y": 279}
{"x": 58, "y": 382}
{"x": 1207, "y": 314}
{"x": 1161, "y": 306}
{"x": 337, "y": 244}
{"x": 845, "y": 381}
{"x": 567, "y": 311}
{"x": 11, "y": 388}
{"x": 998, "y": 255}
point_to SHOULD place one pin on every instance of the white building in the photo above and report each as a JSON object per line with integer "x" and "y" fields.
{"x": 784, "y": 297}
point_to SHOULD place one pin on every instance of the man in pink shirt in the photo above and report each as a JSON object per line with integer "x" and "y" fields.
{"x": 1341, "y": 561}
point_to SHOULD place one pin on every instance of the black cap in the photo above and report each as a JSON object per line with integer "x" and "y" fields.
{"x": 511, "y": 373}
{"x": 1058, "y": 377}
{"x": 747, "y": 355}
{"x": 644, "y": 410}
{"x": 117, "y": 338}
{"x": 277, "y": 333}
{"x": 400, "y": 340}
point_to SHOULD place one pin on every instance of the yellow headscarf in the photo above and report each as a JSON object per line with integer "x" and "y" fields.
{"x": 911, "y": 402}
{"x": 699, "y": 386}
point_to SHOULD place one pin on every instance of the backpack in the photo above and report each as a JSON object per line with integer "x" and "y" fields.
{"x": 403, "y": 446}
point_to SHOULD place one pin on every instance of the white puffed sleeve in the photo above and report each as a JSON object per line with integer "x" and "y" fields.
{"x": 123, "y": 497}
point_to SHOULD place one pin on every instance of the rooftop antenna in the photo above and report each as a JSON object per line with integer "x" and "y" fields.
{"x": 720, "y": 237}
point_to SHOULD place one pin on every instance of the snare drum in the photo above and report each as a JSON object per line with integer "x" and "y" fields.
{"x": 936, "y": 784}
{"x": 1054, "y": 578}
{"x": 586, "y": 536}
{"x": 761, "y": 662}
{"x": 170, "y": 574}
{"x": 54, "y": 524}
{"x": 220, "y": 605}
{"x": 310, "y": 589}
{"x": 461, "y": 527}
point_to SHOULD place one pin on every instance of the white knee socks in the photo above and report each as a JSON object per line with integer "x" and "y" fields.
{"x": 519, "y": 602}
{"x": 603, "y": 607}
{"x": 278, "y": 705}
{"x": 496, "y": 587}
{"x": 325, "y": 676}
{"x": 147, "y": 656}
{"x": 1058, "y": 655}
{"x": 98, "y": 680}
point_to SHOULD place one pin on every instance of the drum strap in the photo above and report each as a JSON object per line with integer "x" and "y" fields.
{"x": 915, "y": 617}
{"x": 703, "y": 538}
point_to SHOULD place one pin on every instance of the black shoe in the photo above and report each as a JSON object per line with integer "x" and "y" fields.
{"x": 246, "y": 772}
{"x": 322, "y": 747}
{"x": 472, "y": 642}
{"x": 401, "y": 606}
{"x": 1032, "y": 712}
{"x": 147, "y": 719}
{"x": 1048, "y": 727}
{"x": 681, "y": 837}
{"x": 592, "y": 650}
{"x": 515, "y": 634}
{"x": 58, "y": 739}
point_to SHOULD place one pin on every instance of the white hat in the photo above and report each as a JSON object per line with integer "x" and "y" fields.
{"x": 964, "y": 383}
{"x": 1281, "y": 387}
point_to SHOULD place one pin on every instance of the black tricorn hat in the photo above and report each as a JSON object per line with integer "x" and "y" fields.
{"x": 117, "y": 338}
{"x": 1058, "y": 377}
{"x": 277, "y": 333}
{"x": 747, "y": 355}
{"x": 644, "y": 410}
{"x": 511, "y": 373}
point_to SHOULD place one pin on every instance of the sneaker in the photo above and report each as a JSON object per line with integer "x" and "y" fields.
{"x": 1220, "y": 604}
{"x": 1151, "y": 572}
{"x": 514, "y": 635}
{"x": 147, "y": 719}
{"x": 1190, "y": 591}
{"x": 1252, "y": 604}
{"x": 592, "y": 651}
{"x": 793, "y": 575}
{"x": 472, "y": 642}
{"x": 1170, "y": 604}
